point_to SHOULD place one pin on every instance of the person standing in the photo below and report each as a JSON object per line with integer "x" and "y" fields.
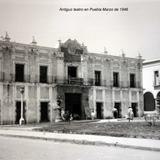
{"x": 130, "y": 113}
{"x": 93, "y": 114}
{"x": 115, "y": 112}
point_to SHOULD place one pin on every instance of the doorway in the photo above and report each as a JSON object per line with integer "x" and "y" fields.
{"x": 72, "y": 72}
{"x": 73, "y": 104}
{"x": 18, "y": 112}
{"x": 44, "y": 112}
{"x": 117, "y": 105}
{"x": 43, "y": 74}
{"x": 97, "y": 78}
{"x": 135, "y": 109}
{"x": 19, "y": 72}
{"x": 149, "y": 102}
{"x": 99, "y": 110}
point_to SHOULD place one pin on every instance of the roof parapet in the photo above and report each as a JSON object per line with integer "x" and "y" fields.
{"x": 33, "y": 41}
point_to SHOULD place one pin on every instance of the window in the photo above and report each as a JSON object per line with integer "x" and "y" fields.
{"x": 79, "y": 51}
{"x": 43, "y": 74}
{"x": 156, "y": 78}
{"x": 115, "y": 79}
{"x": 132, "y": 80}
{"x": 72, "y": 72}
{"x": 97, "y": 78}
{"x": 19, "y": 73}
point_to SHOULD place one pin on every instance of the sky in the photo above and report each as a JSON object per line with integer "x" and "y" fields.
{"x": 133, "y": 32}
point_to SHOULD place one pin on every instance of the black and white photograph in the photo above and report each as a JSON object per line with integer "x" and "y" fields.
{"x": 79, "y": 80}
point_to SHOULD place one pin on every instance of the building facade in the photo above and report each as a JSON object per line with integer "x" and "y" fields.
{"x": 84, "y": 82}
{"x": 151, "y": 83}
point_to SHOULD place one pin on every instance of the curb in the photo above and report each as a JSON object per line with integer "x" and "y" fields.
{"x": 84, "y": 142}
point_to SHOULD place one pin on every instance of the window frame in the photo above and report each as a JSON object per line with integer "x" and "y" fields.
{"x": 41, "y": 76}
{"x": 97, "y": 78}
{"x": 22, "y": 79}
{"x": 116, "y": 80}
{"x": 132, "y": 81}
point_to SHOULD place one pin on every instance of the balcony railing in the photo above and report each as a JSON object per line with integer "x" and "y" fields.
{"x": 156, "y": 84}
{"x": 78, "y": 81}
{"x": 4, "y": 77}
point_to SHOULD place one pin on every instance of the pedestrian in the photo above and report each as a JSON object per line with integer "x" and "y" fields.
{"x": 63, "y": 114}
{"x": 93, "y": 114}
{"x": 115, "y": 112}
{"x": 130, "y": 113}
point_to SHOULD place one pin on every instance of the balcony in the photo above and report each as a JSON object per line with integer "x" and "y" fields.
{"x": 78, "y": 81}
{"x": 156, "y": 84}
{"x": 70, "y": 81}
{"x": 5, "y": 77}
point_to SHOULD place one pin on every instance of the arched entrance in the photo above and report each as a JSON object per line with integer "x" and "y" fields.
{"x": 149, "y": 102}
{"x": 158, "y": 95}
{"x": 158, "y": 102}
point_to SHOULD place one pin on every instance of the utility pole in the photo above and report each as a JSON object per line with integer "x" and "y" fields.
{"x": 21, "y": 120}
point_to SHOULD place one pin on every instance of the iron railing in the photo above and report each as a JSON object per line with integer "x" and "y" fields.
{"x": 11, "y": 78}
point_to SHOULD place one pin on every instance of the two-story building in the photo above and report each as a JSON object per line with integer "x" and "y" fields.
{"x": 84, "y": 81}
{"x": 151, "y": 83}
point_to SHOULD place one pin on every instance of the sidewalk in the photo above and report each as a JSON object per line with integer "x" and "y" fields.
{"x": 136, "y": 143}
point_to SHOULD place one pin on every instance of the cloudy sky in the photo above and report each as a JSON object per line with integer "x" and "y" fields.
{"x": 134, "y": 31}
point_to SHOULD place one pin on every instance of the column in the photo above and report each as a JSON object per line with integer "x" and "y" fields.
{"x": 130, "y": 98}
{"x": 26, "y": 98}
{"x": 38, "y": 104}
{"x": 51, "y": 103}
{"x": 94, "y": 99}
